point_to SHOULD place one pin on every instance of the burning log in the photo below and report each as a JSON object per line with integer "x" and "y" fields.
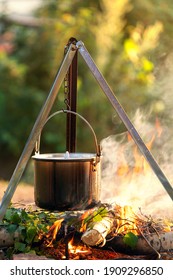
{"x": 115, "y": 221}
{"x": 150, "y": 236}
{"x": 96, "y": 233}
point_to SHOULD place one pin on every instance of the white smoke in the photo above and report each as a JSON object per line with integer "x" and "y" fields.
{"x": 140, "y": 189}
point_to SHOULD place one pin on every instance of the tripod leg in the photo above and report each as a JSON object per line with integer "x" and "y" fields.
{"x": 28, "y": 149}
{"x": 123, "y": 116}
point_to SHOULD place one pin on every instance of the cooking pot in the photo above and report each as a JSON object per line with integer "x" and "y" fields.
{"x": 67, "y": 181}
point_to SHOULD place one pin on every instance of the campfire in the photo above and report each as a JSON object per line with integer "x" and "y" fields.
{"x": 107, "y": 232}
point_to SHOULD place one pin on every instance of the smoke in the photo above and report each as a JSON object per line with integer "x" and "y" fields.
{"x": 127, "y": 178}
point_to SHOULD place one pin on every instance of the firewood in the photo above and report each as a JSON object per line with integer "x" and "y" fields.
{"x": 6, "y": 238}
{"x": 154, "y": 242}
{"x": 161, "y": 241}
{"x": 97, "y": 234}
{"x": 152, "y": 235}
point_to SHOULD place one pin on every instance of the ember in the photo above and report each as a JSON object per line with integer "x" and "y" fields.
{"x": 91, "y": 254}
{"x": 77, "y": 249}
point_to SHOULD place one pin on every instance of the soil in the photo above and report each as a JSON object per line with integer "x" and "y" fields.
{"x": 24, "y": 194}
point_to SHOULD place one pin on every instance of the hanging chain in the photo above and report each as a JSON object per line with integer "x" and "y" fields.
{"x": 66, "y": 79}
{"x": 66, "y": 90}
{"x": 66, "y": 84}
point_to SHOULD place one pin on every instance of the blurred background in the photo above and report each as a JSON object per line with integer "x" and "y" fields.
{"x": 129, "y": 40}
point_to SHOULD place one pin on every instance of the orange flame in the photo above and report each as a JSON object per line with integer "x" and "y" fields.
{"x": 158, "y": 127}
{"x": 54, "y": 230}
{"x": 77, "y": 249}
{"x": 123, "y": 169}
{"x": 140, "y": 163}
{"x": 82, "y": 218}
{"x": 127, "y": 221}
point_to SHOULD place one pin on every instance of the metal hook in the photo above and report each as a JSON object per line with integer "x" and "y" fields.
{"x": 66, "y": 101}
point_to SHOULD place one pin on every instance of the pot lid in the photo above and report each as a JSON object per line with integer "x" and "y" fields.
{"x": 65, "y": 156}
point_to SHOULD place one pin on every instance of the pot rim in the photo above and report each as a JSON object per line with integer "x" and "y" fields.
{"x": 65, "y": 156}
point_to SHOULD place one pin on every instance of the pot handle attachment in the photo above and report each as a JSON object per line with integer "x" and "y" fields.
{"x": 37, "y": 145}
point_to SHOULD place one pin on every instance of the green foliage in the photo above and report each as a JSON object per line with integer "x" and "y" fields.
{"x": 19, "y": 247}
{"x": 28, "y": 225}
{"x": 95, "y": 217}
{"x": 130, "y": 239}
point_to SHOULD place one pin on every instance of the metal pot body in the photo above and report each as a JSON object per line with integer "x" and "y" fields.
{"x": 71, "y": 183}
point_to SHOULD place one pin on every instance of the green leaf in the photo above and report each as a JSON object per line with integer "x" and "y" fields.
{"x": 42, "y": 215}
{"x": 9, "y": 253}
{"x": 19, "y": 246}
{"x": 103, "y": 211}
{"x": 31, "y": 216}
{"x": 24, "y": 215}
{"x": 130, "y": 239}
{"x": 11, "y": 228}
{"x": 22, "y": 231}
{"x": 27, "y": 249}
{"x": 15, "y": 218}
{"x": 8, "y": 214}
{"x": 97, "y": 218}
{"x": 30, "y": 234}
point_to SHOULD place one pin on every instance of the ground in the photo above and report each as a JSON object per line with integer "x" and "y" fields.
{"x": 23, "y": 195}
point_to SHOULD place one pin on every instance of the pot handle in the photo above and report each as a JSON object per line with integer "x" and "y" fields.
{"x": 37, "y": 145}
